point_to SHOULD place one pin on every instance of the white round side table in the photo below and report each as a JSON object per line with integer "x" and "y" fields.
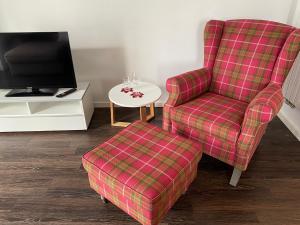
{"x": 123, "y": 95}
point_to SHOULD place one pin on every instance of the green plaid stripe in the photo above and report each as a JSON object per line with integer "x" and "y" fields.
{"x": 143, "y": 170}
{"x": 271, "y": 48}
{"x": 259, "y": 113}
{"x": 212, "y": 37}
{"x": 212, "y": 114}
{"x": 247, "y": 53}
{"x": 183, "y": 88}
{"x": 286, "y": 57}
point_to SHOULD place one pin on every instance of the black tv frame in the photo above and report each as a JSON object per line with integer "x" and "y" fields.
{"x": 43, "y": 90}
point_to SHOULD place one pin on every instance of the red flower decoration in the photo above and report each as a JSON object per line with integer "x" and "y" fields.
{"x": 127, "y": 89}
{"x": 137, "y": 94}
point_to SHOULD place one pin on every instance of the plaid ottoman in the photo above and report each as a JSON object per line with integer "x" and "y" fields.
{"x": 143, "y": 170}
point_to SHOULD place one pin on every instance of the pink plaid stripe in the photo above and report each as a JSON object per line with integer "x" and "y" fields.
{"x": 143, "y": 214}
{"x": 212, "y": 37}
{"x": 213, "y": 114}
{"x": 249, "y": 60}
{"x": 266, "y": 104}
{"x": 143, "y": 170}
{"x": 183, "y": 88}
{"x": 187, "y": 86}
{"x": 166, "y": 117}
{"x": 286, "y": 58}
{"x": 212, "y": 145}
{"x": 243, "y": 157}
{"x": 260, "y": 111}
{"x": 246, "y": 57}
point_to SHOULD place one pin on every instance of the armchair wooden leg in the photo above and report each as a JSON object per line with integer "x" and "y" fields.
{"x": 236, "y": 174}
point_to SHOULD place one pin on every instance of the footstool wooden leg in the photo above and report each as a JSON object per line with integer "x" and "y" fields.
{"x": 104, "y": 200}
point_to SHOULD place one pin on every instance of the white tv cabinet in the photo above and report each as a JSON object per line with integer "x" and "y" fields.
{"x": 73, "y": 112}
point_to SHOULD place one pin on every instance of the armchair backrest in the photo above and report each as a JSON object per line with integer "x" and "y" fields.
{"x": 246, "y": 55}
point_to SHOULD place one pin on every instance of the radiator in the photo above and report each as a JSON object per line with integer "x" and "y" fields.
{"x": 291, "y": 86}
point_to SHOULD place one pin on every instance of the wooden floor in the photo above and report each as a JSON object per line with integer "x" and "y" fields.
{"x": 41, "y": 181}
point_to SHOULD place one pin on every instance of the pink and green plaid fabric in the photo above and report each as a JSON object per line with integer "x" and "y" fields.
{"x": 212, "y": 145}
{"x": 187, "y": 86}
{"x": 143, "y": 170}
{"x": 246, "y": 56}
{"x": 183, "y": 88}
{"x": 212, "y": 37}
{"x": 213, "y": 114}
{"x": 286, "y": 58}
{"x": 262, "y": 109}
{"x": 247, "y": 62}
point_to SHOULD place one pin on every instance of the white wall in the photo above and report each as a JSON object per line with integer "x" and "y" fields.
{"x": 112, "y": 38}
{"x": 294, "y": 16}
{"x": 291, "y": 116}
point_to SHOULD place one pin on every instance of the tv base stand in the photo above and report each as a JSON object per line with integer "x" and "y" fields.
{"x": 30, "y": 92}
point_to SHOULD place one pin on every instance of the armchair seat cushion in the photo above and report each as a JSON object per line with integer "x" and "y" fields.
{"x": 213, "y": 114}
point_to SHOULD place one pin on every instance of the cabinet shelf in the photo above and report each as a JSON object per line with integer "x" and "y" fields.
{"x": 56, "y": 108}
{"x": 73, "y": 112}
{"x": 14, "y": 109}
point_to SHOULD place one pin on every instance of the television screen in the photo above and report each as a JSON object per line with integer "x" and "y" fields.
{"x": 36, "y": 60}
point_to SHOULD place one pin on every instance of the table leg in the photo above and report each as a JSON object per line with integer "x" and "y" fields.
{"x": 152, "y": 112}
{"x": 112, "y": 113}
{"x": 143, "y": 113}
{"x": 112, "y": 117}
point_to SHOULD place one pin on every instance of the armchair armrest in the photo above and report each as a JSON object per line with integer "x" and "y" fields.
{"x": 183, "y": 88}
{"x": 187, "y": 86}
{"x": 261, "y": 110}
{"x": 266, "y": 104}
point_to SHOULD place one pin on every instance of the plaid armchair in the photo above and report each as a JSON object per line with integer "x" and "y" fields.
{"x": 228, "y": 104}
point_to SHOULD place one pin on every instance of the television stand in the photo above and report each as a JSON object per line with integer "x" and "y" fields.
{"x": 47, "y": 113}
{"x": 28, "y": 92}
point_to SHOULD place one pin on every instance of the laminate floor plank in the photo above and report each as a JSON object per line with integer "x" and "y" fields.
{"x": 42, "y": 181}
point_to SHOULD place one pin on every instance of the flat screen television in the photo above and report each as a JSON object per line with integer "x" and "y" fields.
{"x": 35, "y": 63}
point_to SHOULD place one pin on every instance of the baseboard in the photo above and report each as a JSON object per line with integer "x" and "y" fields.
{"x": 106, "y": 104}
{"x": 290, "y": 117}
{"x": 101, "y": 104}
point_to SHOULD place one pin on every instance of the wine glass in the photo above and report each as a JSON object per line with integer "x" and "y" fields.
{"x": 134, "y": 78}
{"x": 126, "y": 80}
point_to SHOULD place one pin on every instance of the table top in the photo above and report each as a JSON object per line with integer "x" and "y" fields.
{"x": 151, "y": 94}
